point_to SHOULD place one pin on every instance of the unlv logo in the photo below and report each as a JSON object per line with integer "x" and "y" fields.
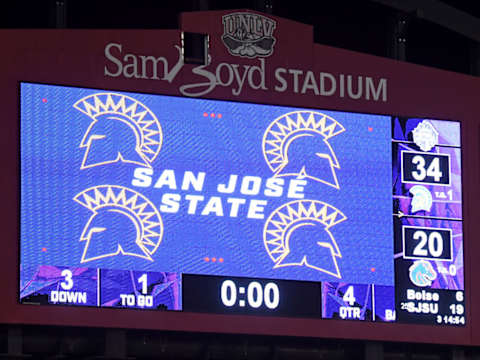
{"x": 248, "y": 35}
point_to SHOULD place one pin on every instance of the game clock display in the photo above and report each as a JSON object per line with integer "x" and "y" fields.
{"x": 166, "y": 203}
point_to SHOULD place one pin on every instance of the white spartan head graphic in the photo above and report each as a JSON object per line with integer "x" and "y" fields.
{"x": 422, "y": 198}
{"x": 122, "y": 129}
{"x": 298, "y": 233}
{"x": 297, "y": 144}
{"x": 122, "y": 222}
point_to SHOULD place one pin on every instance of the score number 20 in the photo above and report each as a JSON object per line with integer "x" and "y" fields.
{"x": 425, "y": 168}
{"x": 427, "y": 243}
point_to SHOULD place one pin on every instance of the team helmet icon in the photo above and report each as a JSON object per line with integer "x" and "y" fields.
{"x": 122, "y": 129}
{"x": 288, "y": 143}
{"x": 422, "y": 198}
{"x": 425, "y": 136}
{"x": 123, "y": 222}
{"x": 421, "y": 273}
{"x": 298, "y": 234}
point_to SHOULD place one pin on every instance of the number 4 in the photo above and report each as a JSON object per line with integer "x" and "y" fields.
{"x": 434, "y": 169}
{"x": 348, "y": 297}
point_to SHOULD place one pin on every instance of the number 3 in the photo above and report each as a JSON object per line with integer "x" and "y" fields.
{"x": 420, "y": 173}
{"x": 68, "y": 283}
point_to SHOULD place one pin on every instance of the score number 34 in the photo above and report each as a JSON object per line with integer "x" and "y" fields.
{"x": 425, "y": 168}
{"x": 433, "y": 170}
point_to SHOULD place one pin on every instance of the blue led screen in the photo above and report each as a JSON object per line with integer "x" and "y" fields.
{"x": 129, "y": 181}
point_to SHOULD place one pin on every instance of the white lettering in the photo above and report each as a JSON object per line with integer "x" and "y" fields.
{"x": 274, "y": 187}
{"x": 230, "y": 188}
{"x": 380, "y": 91}
{"x": 193, "y": 202}
{"x": 333, "y": 84}
{"x": 250, "y": 185}
{"x": 310, "y": 83}
{"x": 261, "y": 72}
{"x": 113, "y": 59}
{"x": 208, "y": 85}
{"x": 350, "y": 92}
{"x": 214, "y": 205}
{"x": 154, "y": 61}
{"x": 170, "y": 203}
{"x": 240, "y": 79}
{"x": 142, "y": 177}
{"x": 235, "y": 205}
{"x": 166, "y": 178}
{"x": 196, "y": 182}
{"x": 342, "y": 85}
{"x": 296, "y": 188}
{"x": 219, "y": 74}
{"x": 132, "y": 65}
{"x": 68, "y": 297}
{"x": 256, "y": 208}
{"x": 295, "y": 74}
{"x": 279, "y": 77}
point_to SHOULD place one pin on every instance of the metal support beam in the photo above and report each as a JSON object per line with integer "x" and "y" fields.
{"x": 458, "y": 354}
{"x": 400, "y": 27}
{"x": 475, "y": 354}
{"x": 202, "y": 5}
{"x": 373, "y": 351}
{"x": 264, "y": 6}
{"x": 441, "y": 14}
{"x": 14, "y": 343}
{"x": 115, "y": 344}
{"x": 475, "y": 58}
{"x": 61, "y": 14}
{"x": 15, "y": 340}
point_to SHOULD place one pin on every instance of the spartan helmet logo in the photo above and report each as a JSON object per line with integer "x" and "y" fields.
{"x": 123, "y": 129}
{"x": 123, "y": 222}
{"x": 298, "y": 234}
{"x": 422, "y": 198}
{"x": 286, "y": 139}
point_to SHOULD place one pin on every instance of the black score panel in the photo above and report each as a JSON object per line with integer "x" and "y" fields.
{"x": 430, "y": 306}
{"x": 238, "y": 295}
{"x": 425, "y": 168}
{"x": 427, "y": 243}
{"x": 428, "y": 222}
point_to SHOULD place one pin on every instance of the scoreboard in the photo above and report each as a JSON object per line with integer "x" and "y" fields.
{"x": 167, "y": 203}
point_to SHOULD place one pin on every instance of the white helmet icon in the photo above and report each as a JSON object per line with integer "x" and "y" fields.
{"x": 422, "y": 198}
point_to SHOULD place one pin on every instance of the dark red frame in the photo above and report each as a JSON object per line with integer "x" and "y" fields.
{"x": 76, "y": 58}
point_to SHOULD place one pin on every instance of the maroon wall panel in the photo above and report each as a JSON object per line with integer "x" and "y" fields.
{"x": 77, "y": 58}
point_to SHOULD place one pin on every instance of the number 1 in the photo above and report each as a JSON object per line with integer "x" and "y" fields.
{"x": 143, "y": 280}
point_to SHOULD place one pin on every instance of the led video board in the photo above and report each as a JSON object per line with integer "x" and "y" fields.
{"x": 156, "y": 202}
